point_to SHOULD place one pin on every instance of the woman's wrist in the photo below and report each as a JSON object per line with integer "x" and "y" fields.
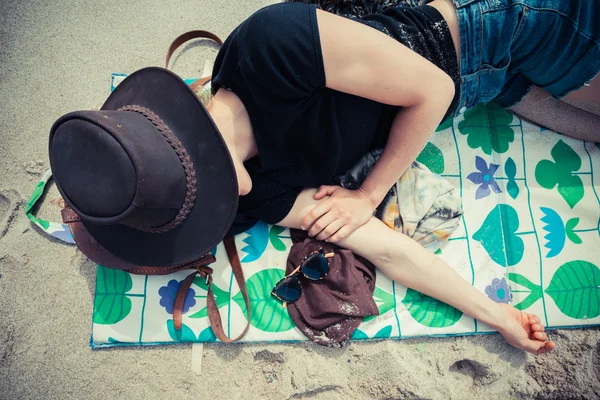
{"x": 494, "y": 315}
{"x": 369, "y": 195}
{"x": 465, "y": 297}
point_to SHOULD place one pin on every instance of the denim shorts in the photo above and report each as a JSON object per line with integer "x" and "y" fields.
{"x": 507, "y": 46}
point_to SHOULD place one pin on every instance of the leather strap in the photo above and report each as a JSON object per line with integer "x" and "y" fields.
{"x": 180, "y": 299}
{"x": 96, "y": 252}
{"x": 197, "y": 85}
{"x": 185, "y": 37}
{"x": 214, "y": 316}
{"x": 213, "y": 311}
{"x": 181, "y": 39}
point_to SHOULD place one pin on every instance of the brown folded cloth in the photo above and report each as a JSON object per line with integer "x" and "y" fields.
{"x": 330, "y": 310}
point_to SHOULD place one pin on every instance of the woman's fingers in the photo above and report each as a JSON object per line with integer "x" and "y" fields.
{"x": 540, "y": 336}
{"x": 321, "y": 223}
{"x": 331, "y": 229}
{"x": 548, "y": 346}
{"x": 342, "y": 234}
{"x": 532, "y": 346}
{"x": 311, "y": 218}
{"x": 324, "y": 191}
{"x": 537, "y": 328}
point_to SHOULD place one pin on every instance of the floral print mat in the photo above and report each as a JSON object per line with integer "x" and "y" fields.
{"x": 529, "y": 237}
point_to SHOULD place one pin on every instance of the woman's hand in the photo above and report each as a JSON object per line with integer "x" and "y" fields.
{"x": 525, "y": 331}
{"x": 341, "y": 214}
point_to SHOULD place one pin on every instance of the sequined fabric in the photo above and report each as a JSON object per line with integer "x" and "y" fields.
{"x": 358, "y": 8}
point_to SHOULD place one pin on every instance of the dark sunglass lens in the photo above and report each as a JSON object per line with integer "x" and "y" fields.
{"x": 288, "y": 289}
{"x": 316, "y": 267}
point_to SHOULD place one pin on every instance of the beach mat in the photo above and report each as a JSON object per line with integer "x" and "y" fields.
{"x": 529, "y": 237}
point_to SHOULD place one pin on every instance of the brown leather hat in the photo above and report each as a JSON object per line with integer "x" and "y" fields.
{"x": 149, "y": 174}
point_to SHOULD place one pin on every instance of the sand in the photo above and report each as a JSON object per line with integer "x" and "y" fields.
{"x": 58, "y": 58}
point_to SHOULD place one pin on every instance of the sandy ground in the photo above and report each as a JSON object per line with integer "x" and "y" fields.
{"x": 58, "y": 58}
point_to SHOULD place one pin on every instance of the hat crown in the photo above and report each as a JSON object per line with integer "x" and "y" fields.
{"x": 118, "y": 167}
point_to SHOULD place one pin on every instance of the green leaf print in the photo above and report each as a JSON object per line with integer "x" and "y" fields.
{"x": 571, "y": 189}
{"x": 512, "y": 188}
{"x": 268, "y": 313}
{"x": 510, "y": 169}
{"x": 274, "y": 237}
{"x": 447, "y": 123}
{"x": 498, "y": 238}
{"x": 535, "y": 291}
{"x": 575, "y": 288}
{"x": 221, "y": 296}
{"x": 111, "y": 303}
{"x": 432, "y": 158}
{"x": 487, "y": 127}
{"x": 185, "y": 334}
{"x": 569, "y": 226}
{"x": 429, "y": 311}
{"x": 559, "y": 172}
{"x": 359, "y": 335}
{"x": 383, "y": 333}
{"x": 384, "y": 301}
{"x": 573, "y": 237}
{"x": 207, "y": 335}
{"x": 202, "y": 313}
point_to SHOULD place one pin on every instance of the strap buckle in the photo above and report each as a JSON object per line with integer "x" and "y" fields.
{"x": 206, "y": 272}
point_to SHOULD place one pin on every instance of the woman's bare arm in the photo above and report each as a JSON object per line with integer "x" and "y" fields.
{"x": 405, "y": 261}
{"x": 408, "y": 263}
{"x": 364, "y": 62}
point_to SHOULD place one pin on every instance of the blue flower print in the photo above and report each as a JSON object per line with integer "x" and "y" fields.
{"x": 484, "y": 178}
{"x": 499, "y": 291}
{"x": 168, "y": 294}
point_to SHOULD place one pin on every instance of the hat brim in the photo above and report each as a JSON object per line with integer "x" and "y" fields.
{"x": 169, "y": 97}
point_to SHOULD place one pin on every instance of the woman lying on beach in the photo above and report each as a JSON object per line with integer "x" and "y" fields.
{"x": 300, "y": 95}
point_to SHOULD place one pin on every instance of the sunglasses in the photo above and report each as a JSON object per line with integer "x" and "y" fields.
{"x": 315, "y": 267}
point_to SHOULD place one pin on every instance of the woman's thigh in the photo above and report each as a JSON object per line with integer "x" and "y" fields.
{"x": 541, "y": 108}
{"x": 588, "y": 92}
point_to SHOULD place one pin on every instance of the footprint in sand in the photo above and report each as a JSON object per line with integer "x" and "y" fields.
{"x": 35, "y": 168}
{"x": 4, "y": 210}
{"x": 480, "y": 374}
{"x": 4, "y": 205}
{"x": 9, "y": 209}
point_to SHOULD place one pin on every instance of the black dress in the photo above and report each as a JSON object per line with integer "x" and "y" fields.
{"x": 307, "y": 134}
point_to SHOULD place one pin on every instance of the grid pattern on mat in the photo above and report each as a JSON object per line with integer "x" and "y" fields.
{"x": 528, "y": 237}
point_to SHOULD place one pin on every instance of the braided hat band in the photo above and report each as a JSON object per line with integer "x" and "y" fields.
{"x": 186, "y": 162}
